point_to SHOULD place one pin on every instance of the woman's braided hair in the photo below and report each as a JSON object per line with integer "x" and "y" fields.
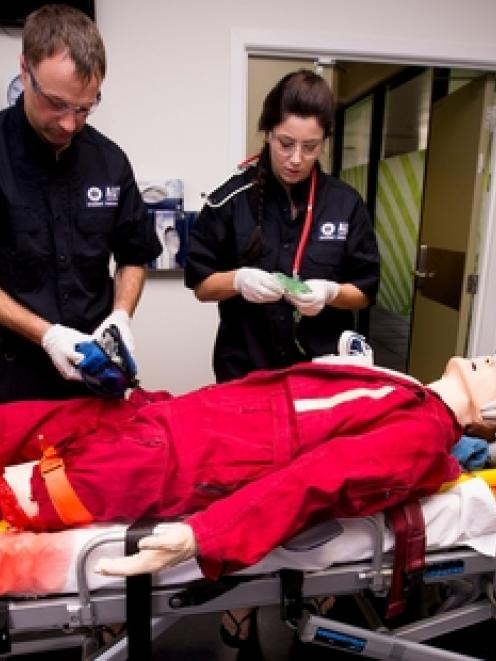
{"x": 302, "y": 93}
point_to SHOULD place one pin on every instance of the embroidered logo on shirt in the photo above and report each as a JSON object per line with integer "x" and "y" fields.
{"x": 329, "y": 231}
{"x": 112, "y": 195}
{"x": 94, "y": 197}
{"x": 102, "y": 197}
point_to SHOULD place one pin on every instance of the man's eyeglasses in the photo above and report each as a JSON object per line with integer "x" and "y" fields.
{"x": 287, "y": 146}
{"x": 56, "y": 105}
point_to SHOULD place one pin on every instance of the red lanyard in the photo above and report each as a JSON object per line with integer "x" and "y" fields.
{"x": 306, "y": 226}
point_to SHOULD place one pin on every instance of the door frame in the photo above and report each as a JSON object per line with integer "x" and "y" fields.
{"x": 370, "y": 48}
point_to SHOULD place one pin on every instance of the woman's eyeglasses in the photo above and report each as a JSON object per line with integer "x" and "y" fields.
{"x": 287, "y": 146}
{"x": 56, "y": 105}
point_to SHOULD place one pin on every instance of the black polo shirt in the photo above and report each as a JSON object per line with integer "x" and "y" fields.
{"x": 61, "y": 220}
{"x": 341, "y": 247}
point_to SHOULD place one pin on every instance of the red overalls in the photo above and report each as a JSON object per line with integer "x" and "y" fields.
{"x": 248, "y": 463}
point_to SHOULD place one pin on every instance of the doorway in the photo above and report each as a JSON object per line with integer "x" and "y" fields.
{"x": 427, "y": 178}
{"x": 457, "y": 171}
{"x": 384, "y": 125}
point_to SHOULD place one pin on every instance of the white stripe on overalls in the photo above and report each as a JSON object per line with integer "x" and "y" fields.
{"x": 321, "y": 403}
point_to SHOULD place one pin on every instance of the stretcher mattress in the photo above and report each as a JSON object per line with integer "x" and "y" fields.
{"x": 39, "y": 564}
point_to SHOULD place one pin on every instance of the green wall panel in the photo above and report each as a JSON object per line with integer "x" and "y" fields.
{"x": 398, "y": 208}
{"x": 356, "y": 177}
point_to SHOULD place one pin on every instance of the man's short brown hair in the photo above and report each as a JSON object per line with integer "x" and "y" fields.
{"x": 55, "y": 28}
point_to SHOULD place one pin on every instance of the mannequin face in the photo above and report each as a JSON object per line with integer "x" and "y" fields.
{"x": 475, "y": 375}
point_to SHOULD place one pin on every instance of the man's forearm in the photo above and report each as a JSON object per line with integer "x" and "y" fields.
{"x": 19, "y": 319}
{"x": 128, "y": 285}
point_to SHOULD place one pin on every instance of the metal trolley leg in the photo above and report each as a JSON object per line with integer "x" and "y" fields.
{"x": 355, "y": 640}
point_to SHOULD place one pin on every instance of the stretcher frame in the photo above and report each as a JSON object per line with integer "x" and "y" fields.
{"x": 63, "y": 621}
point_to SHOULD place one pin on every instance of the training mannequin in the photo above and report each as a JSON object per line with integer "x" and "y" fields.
{"x": 248, "y": 464}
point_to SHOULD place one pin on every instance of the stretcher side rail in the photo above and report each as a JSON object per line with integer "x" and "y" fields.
{"x": 110, "y": 607}
{"x": 375, "y": 573}
{"x": 106, "y": 604}
{"x": 82, "y": 570}
{"x": 88, "y": 609}
{"x": 71, "y": 611}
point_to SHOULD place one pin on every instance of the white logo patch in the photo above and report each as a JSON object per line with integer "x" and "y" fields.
{"x": 94, "y": 196}
{"x": 112, "y": 195}
{"x": 330, "y": 231}
{"x": 108, "y": 196}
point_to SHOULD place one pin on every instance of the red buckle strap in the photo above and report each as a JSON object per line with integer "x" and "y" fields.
{"x": 408, "y": 525}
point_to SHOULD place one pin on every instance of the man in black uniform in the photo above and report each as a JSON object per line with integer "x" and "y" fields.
{"x": 68, "y": 203}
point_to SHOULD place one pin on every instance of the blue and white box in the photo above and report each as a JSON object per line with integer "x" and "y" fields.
{"x": 165, "y": 202}
{"x": 166, "y": 194}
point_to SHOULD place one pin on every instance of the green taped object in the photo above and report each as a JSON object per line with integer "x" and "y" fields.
{"x": 292, "y": 285}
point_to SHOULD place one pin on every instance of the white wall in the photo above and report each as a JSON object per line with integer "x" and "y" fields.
{"x": 168, "y": 102}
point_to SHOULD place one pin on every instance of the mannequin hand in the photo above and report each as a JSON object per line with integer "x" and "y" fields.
{"x": 59, "y": 342}
{"x": 119, "y": 318}
{"x": 257, "y": 286}
{"x": 166, "y": 549}
{"x": 311, "y": 303}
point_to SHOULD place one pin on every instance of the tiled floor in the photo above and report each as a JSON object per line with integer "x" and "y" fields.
{"x": 277, "y": 642}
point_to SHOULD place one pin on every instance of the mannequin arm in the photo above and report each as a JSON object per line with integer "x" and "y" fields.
{"x": 175, "y": 544}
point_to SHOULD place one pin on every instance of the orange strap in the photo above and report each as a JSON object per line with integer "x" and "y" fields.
{"x": 65, "y": 500}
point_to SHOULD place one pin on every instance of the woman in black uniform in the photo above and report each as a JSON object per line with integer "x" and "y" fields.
{"x": 282, "y": 214}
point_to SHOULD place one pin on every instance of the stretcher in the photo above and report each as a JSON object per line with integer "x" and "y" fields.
{"x": 53, "y": 599}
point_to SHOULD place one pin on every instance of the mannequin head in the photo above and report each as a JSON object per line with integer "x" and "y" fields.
{"x": 478, "y": 375}
{"x": 467, "y": 385}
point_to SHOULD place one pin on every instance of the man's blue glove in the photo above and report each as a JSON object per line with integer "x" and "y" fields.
{"x": 108, "y": 368}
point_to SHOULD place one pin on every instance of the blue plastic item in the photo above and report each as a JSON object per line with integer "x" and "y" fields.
{"x": 108, "y": 369}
